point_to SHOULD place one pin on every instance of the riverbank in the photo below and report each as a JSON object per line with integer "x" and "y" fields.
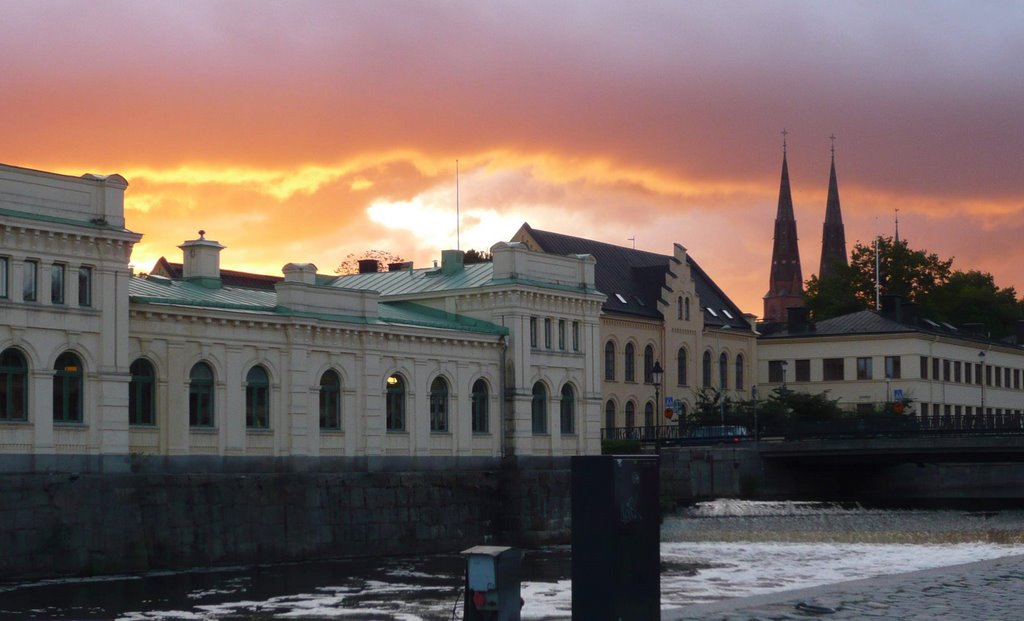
{"x": 987, "y": 589}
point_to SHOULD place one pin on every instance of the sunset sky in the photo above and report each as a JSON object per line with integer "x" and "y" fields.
{"x": 304, "y": 131}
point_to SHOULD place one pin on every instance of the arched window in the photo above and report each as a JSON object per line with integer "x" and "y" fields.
{"x": 479, "y": 406}
{"x": 679, "y": 307}
{"x": 629, "y": 363}
{"x": 141, "y": 393}
{"x": 67, "y": 389}
{"x": 567, "y": 410}
{"x": 686, "y": 309}
{"x": 330, "y": 400}
{"x": 395, "y": 403}
{"x": 706, "y": 370}
{"x": 609, "y": 361}
{"x": 739, "y": 371}
{"x": 200, "y": 396}
{"x": 257, "y": 398}
{"x": 439, "y": 404}
{"x": 681, "y": 366}
{"x": 648, "y": 364}
{"x": 609, "y": 414}
{"x": 723, "y": 371}
{"x": 649, "y": 414}
{"x": 630, "y": 415}
{"x": 13, "y": 385}
{"x": 539, "y": 408}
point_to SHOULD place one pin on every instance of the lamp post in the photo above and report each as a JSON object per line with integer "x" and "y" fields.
{"x": 721, "y": 376}
{"x": 785, "y": 400}
{"x": 656, "y": 374}
{"x": 981, "y": 380}
{"x": 753, "y": 394}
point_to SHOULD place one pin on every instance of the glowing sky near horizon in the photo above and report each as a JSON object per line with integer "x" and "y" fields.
{"x": 304, "y": 131}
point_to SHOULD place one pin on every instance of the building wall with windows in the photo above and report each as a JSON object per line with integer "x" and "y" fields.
{"x": 97, "y": 365}
{"x": 64, "y": 306}
{"x": 940, "y": 371}
{"x": 656, "y": 306}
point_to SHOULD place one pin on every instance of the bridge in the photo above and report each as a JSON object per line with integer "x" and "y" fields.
{"x": 851, "y": 441}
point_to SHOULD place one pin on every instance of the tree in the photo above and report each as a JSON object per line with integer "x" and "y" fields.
{"x": 973, "y": 297}
{"x": 476, "y": 256}
{"x": 833, "y": 295}
{"x": 910, "y": 274}
{"x": 351, "y": 263}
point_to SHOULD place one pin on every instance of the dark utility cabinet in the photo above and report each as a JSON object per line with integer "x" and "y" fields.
{"x": 615, "y": 538}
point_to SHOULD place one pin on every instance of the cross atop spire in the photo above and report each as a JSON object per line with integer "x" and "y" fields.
{"x": 784, "y": 134}
{"x": 832, "y": 138}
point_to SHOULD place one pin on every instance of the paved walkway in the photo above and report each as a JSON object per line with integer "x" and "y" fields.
{"x": 987, "y": 590}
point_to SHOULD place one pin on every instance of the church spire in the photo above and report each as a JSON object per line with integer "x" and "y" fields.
{"x": 833, "y": 235}
{"x": 785, "y": 285}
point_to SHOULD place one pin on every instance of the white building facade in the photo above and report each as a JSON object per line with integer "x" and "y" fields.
{"x": 99, "y": 368}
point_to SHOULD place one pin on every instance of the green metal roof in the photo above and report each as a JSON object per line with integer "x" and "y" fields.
{"x": 159, "y": 290}
{"x": 432, "y": 280}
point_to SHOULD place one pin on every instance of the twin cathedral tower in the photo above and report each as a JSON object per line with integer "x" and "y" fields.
{"x": 786, "y": 283}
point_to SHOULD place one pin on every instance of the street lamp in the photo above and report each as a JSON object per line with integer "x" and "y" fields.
{"x": 721, "y": 376}
{"x": 785, "y": 400}
{"x": 656, "y": 374}
{"x": 981, "y": 380}
{"x": 753, "y": 393}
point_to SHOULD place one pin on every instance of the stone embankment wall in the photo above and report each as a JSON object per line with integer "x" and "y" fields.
{"x": 81, "y": 524}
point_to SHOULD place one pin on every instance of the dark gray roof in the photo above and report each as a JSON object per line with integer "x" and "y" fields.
{"x": 638, "y": 276}
{"x": 873, "y": 322}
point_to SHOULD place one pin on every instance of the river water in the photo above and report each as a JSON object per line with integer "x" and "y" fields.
{"x": 711, "y": 551}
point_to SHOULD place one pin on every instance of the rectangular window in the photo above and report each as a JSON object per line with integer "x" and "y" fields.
{"x": 547, "y": 333}
{"x": 1006, "y": 377}
{"x": 832, "y": 370}
{"x": 561, "y": 334}
{"x": 575, "y": 336}
{"x": 29, "y": 285}
{"x": 775, "y": 372}
{"x": 864, "y": 371}
{"x": 3, "y": 277}
{"x": 533, "y": 331}
{"x": 893, "y": 367}
{"x": 999, "y": 375}
{"x": 924, "y": 367}
{"x": 1016, "y": 379}
{"x": 967, "y": 373}
{"x": 803, "y": 370}
{"x": 977, "y": 374}
{"x": 935, "y": 369}
{"x": 956, "y": 372}
{"x": 85, "y": 286}
{"x": 988, "y": 376}
{"x": 924, "y": 409}
{"x": 945, "y": 370}
{"x": 57, "y": 283}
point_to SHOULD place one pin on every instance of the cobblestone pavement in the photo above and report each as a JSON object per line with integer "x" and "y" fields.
{"x": 986, "y": 590}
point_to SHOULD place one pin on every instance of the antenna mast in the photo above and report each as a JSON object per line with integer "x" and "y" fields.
{"x": 458, "y": 218}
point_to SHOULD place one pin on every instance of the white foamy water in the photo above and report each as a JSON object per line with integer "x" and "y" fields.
{"x": 712, "y": 551}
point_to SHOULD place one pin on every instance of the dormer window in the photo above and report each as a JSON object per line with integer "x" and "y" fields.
{"x": 621, "y": 298}
{"x": 712, "y": 311}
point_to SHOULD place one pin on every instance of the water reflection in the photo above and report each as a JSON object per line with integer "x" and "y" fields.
{"x": 713, "y": 550}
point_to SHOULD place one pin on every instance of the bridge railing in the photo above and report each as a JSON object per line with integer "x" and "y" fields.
{"x": 848, "y": 427}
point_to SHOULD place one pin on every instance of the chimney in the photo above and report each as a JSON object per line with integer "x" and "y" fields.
{"x": 368, "y": 266}
{"x": 796, "y": 320}
{"x": 400, "y": 267}
{"x": 452, "y": 261}
{"x": 201, "y": 261}
{"x": 304, "y": 273}
{"x": 891, "y": 307}
{"x": 911, "y": 313}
